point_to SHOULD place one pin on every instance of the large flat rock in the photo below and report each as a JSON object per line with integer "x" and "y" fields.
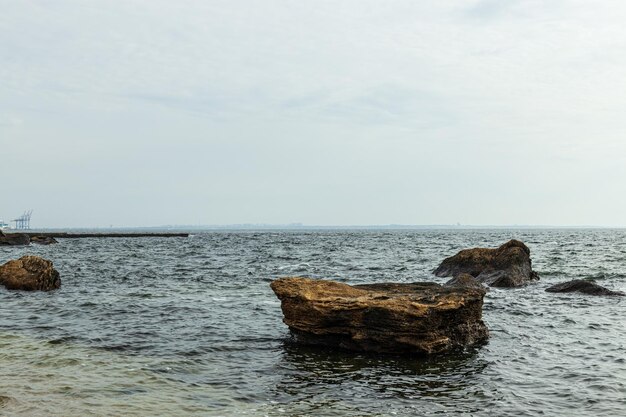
{"x": 419, "y": 318}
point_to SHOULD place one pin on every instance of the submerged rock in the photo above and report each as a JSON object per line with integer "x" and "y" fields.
{"x": 464, "y": 280}
{"x": 582, "y": 286}
{"x": 29, "y": 273}
{"x": 4, "y": 400}
{"x": 419, "y": 318}
{"x": 507, "y": 266}
{"x": 14, "y": 239}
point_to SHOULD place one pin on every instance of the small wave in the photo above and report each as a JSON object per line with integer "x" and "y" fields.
{"x": 556, "y": 273}
{"x": 61, "y": 340}
{"x": 296, "y": 267}
{"x": 604, "y": 276}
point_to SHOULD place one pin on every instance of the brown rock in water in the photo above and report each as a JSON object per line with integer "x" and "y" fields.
{"x": 43, "y": 240}
{"x": 419, "y": 318}
{"x": 29, "y": 273}
{"x": 507, "y": 266}
{"x": 582, "y": 286}
{"x": 14, "y": 239}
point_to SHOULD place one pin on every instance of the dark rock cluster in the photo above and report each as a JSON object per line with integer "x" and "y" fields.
{"x": 418, "y": 318}
{"x": 23, "y": 239}
{"x": 506, "y": 266}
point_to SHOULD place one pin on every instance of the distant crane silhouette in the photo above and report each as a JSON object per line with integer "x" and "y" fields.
{"x": 23, "y": 222}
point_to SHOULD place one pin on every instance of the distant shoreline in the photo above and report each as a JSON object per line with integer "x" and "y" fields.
{"x": 186, "y": 229}
{"x": 66, "y": 235}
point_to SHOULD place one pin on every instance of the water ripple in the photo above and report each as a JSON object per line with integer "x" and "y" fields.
{"x": 190, "y": 326}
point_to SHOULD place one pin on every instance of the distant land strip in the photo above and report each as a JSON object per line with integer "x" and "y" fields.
{"x": 66, "y": 235}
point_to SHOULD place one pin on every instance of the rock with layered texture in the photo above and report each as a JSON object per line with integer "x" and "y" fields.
{"x": 507, "y": 266}
{"x": 583, "y": 286}
{"x": 14, "y": 239}
{"x": 29, "y": 273}
{"x": 419, "y": 318}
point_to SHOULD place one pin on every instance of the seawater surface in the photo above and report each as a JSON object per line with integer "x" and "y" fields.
{"x": 190, "y": 326}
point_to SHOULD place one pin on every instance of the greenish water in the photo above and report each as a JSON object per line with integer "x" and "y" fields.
{"x": 59, "y": 379}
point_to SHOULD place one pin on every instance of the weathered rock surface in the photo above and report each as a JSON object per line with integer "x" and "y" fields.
{"x": 420, "y": 318}
{"x": 43, "y": 240}
{"x": 14, "y": 239}
{"x": 582, "y": 286}
{"x": 507, "y": 266}
{"x": 29, "y": 273}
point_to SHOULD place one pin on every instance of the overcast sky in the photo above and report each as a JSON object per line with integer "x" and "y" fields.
{"x": 351, "y": 112}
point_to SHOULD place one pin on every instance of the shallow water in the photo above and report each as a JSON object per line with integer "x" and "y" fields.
{"x": 175, "y": 326}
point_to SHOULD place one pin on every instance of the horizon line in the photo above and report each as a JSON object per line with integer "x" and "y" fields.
{"x": 342, "y": 226}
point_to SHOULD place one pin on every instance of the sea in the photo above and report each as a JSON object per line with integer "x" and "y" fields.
{"x": 190, "y": 327}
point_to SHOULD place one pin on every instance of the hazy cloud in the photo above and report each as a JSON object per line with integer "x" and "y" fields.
{"x": 357, "y": 112}
{"x": 10, "y": 120}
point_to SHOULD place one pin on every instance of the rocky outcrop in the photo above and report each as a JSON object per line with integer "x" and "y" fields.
{"x": 29, "y": 273}
{"x": 14, "y": 239}
{"x": 507, "y": 266}
{"x": 420, "y": 318}
{"x": 582, "y": 286}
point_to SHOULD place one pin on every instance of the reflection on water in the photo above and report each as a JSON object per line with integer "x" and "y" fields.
{"x": 324, "y": 365}
{"x": 319, "y": 375}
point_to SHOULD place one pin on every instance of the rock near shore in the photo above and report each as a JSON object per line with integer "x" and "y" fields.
{"x": 420, "y": 318}
{"x": 29, "y": 273}
{"x": 507, "y": 266}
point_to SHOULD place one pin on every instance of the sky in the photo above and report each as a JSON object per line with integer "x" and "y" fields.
{"x": 353, "y": 112}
